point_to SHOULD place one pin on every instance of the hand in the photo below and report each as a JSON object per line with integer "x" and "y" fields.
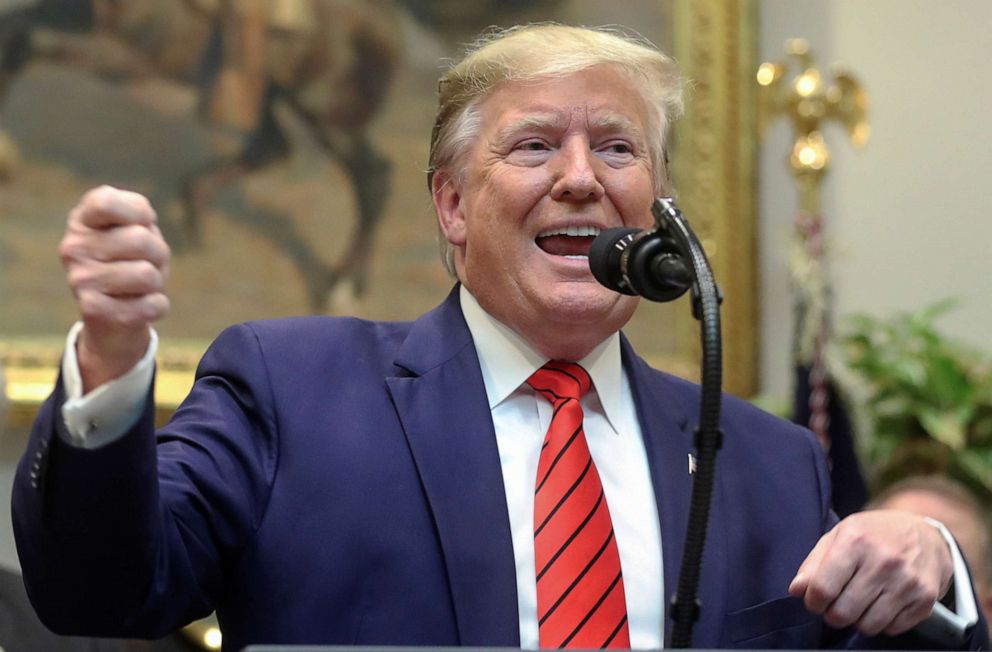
{"x": 880, "y": 571}
{"x": 117, "y": 263}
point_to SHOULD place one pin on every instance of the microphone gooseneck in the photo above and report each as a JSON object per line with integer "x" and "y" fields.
{"x": 661, "y": 265}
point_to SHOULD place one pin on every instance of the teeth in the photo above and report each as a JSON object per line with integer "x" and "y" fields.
{"x": 572, "y": 231}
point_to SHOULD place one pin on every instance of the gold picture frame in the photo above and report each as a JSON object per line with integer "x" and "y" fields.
{"x": 714, "y": 166}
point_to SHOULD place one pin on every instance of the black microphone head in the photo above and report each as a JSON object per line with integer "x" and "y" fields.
{"x": 604, "y": 257}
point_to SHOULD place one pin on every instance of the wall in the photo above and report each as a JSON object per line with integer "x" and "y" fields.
{"x": 908, "y": 215}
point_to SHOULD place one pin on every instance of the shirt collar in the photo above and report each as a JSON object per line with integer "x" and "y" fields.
{"x": 507, "y": 360}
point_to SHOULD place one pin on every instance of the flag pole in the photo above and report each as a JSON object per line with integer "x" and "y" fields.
{"x": 808, "y": 101}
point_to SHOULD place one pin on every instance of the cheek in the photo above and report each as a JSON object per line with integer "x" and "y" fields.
{"x": 505, "y": 206}
{"x": 514, "y": 186}
{"x": 632, "y": 198}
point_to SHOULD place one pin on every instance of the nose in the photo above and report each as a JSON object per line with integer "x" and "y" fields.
{"x": 576, "y": 174}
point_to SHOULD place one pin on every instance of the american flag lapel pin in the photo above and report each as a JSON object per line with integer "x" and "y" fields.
{"x": 692, "y": 464}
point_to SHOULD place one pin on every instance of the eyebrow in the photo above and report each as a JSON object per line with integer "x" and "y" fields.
{"x": 539, "y": 122}
{"x": 618, "y": 123}
{"x": 609, "y": 123}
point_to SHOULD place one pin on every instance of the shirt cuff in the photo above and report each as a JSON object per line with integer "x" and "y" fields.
{"x": 943, "y": 625}
{"x": 108, "y": 411}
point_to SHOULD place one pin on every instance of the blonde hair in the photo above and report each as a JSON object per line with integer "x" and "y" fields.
{"x": 548, "y": 50}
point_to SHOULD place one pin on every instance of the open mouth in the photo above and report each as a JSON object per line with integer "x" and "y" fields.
{"x": 570, "y": 242}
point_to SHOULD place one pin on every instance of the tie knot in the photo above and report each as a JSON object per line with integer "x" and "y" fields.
{"x": 557, "y": 381}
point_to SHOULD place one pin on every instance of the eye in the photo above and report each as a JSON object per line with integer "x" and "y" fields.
{"x": 532, "y": 146}
{"x": 617, "y": 147}
{"x": 530, "y": 152}
{"x": 616, "y": 152}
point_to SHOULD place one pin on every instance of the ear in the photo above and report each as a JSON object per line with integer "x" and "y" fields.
{"x": 446, "y": 193}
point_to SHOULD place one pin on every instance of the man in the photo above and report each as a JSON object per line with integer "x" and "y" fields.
{"x": 340, "y": 481}
{"x": 949, "y": 501}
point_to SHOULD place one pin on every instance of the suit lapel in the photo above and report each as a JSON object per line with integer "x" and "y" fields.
{"x": 667, "y": 424}
{"x": 443, "y": 409}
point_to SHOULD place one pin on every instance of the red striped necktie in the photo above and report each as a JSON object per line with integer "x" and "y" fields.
{"x": 580, "y": 597}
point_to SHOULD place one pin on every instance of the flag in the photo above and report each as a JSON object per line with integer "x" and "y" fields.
{"x": 827, "y": 413}
{"x": 817, "y": 404}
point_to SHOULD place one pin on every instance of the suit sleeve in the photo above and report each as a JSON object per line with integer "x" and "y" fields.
{"x": 132, "y": 538}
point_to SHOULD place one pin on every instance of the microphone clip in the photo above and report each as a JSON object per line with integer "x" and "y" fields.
{"x": 655, "y": 264}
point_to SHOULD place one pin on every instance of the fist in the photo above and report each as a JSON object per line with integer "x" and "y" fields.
{"x": 116, "y": 263}
{"x": 879, "y": 571}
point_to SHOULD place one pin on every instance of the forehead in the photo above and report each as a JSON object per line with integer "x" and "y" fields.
{"x": 928, "y": 503}
{"x": 598, "y": 97}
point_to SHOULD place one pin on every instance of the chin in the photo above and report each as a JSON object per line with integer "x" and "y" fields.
{"x": 580, "y": 321}
{"x": 591, "y": 303}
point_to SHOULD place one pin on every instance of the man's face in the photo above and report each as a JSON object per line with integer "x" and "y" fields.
{"x": 555, "y": 163}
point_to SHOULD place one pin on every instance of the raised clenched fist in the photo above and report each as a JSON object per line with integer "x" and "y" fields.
{"x": 117, "y": 263}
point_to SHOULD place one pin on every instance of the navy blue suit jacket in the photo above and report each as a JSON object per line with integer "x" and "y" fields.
{"x": 337, "y": 481}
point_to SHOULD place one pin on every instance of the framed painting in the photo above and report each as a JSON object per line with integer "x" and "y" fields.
{"x": 284, "y": 146}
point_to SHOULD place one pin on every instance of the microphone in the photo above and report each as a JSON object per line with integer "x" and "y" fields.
{"x": 636, "y": 262}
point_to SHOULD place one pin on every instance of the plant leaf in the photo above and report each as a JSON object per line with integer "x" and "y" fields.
{"x": 946, "y": 427}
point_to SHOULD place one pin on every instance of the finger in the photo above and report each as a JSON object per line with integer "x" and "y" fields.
{"x": 106, "y": 207}
{"x": 854, "y": 601}
{"x": 163, "y": 253}
{"x": 889, "y": 614}
{"x": 838, "y": 563}
{"x": 128, "y": 278}
{"x": 131, "y": 242}
{"x": 799, "y": 583}
{"x": 907, "y": 619}
{"x": 103, "y": 314}
{"x": 914, "y": 592}
{"x": 874, "y": 579}
{"x": 877, "y": 616}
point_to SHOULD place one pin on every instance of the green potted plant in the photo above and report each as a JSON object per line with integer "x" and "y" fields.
{"x": 923, "y": 400}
